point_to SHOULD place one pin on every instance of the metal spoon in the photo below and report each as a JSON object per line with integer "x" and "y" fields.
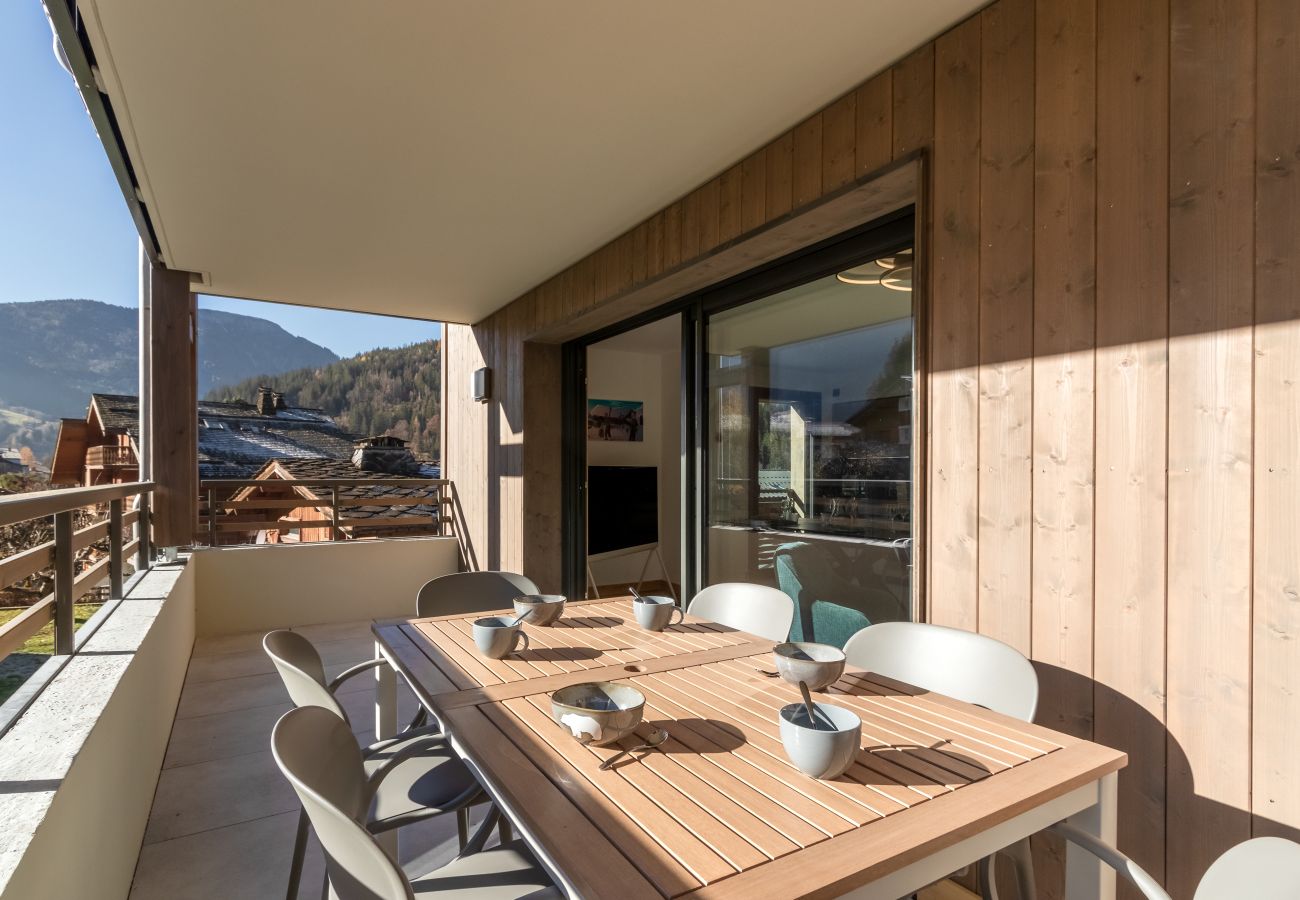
{"x": 635, "y": 593}
{"x": 654, "y": 739}
{"x": 811, "y": 707}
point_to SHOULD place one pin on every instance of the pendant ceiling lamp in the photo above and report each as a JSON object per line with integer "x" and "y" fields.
{"x": 893, "y": 272}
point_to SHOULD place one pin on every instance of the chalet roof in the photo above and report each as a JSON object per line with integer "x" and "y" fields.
{"x": 234, "y": 439}
{"x": 308, "y": 469}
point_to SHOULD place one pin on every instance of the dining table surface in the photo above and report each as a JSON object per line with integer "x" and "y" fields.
{"x": 717, "y": 809}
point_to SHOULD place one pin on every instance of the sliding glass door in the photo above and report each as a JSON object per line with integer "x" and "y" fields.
{"x": 809, "y": 446}
{"x": 796, "y": 432}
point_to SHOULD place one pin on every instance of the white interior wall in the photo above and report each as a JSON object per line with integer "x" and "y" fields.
{"x": 654, "y": 379}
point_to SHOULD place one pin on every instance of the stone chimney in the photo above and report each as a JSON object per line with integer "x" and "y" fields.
{"x": 265, "y": 401}
{"x": 385, "y": 453}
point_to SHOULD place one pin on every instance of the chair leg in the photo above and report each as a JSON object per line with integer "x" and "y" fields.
{"x": 989, "y": 877}
{"x": 462, "y": 826}
{"x": 299, "y": 854}
{"x": 1023, "y": 856}
{"x": 504, "y": 829}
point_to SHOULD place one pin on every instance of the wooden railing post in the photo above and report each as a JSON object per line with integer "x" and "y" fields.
{"x": 64, "y": 620}
{"x": 115, "y": 549}
{"x": 335, "y": 533}
{"x": 212, "y": 521}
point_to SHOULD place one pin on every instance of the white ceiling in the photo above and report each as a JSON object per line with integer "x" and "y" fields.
{"x": 436, "y": 159}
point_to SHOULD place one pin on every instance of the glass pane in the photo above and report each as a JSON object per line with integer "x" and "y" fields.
{"x": 810, "y": 448}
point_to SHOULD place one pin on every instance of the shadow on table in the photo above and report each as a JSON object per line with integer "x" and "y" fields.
{"x": 692, "y": 735}
{"x": 590, "y": 622}
{"x": 556, "y": 654}
{"x": 917, "y": 764}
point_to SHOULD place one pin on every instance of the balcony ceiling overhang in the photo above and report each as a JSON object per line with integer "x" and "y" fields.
{"x": 438, "y": 159}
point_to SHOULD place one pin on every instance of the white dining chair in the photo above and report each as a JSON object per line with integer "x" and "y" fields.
{"x": 755, "y": 608}
{"x": 967, "y": 666}
{"x": 469, "y": 592}
{"x": 423, "y": 776}
{"x": 316, "y": 752}
{"x": 1263, "y": 868}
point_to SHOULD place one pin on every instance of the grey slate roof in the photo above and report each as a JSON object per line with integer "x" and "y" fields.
{"x": 235, "y": 440}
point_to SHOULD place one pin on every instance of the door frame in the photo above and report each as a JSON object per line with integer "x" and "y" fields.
{"x": 853, "y": 247}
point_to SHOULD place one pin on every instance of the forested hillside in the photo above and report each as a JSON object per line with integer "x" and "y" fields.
{"x": 380, "y": 392}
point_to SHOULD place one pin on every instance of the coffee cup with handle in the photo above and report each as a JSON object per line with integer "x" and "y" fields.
{"x": 656, "y": 613}
{"x": 498, "y": 636}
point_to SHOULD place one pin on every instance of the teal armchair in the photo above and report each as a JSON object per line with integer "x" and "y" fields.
{"x": 829, "y": 608}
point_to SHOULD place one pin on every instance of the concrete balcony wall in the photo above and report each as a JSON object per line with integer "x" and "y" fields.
{"x": 78, "y": 770}
{"x": 259, "y": 588}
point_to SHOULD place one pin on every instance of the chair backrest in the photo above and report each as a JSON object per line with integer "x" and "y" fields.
{"x": 961, "y": 664}
{"x": 1266, "y": 868}
{"x": 468, "y": 592}
{"x": 755, "y": 608}
{"x": 317, "y": 753}
{"x": 301, "y": 670}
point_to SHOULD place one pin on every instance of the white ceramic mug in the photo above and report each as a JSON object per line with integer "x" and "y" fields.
{"x": 497, "y": 636}
{"x": 656, "y": 613}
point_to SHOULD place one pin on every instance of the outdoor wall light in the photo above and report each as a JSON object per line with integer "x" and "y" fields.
{"x": 481, "y": 384}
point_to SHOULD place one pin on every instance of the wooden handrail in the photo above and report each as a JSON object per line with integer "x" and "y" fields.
{"x": 324, "y": 482}
{"x": 17, "y": 631}
{"x": 21, "y": 507}
{"x": 33, "y": 559}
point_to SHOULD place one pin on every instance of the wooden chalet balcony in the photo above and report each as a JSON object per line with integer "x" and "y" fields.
{"x": 109, "y": 456}
{"x": 233, "y": 511}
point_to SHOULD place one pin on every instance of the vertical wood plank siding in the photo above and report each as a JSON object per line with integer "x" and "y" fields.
{"x": 1113, "y": 340}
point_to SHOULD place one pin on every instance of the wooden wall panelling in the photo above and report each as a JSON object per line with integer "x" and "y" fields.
{"x": 953, "y": 537}
{"x": 542, "y": 499}
{"x": 1065, "y": 131}
{"x": 1131, "y": 378}
{"x": 690, "y": 226}
{"x": 709, "y": 215}
{"x": 654, "y": 250}
{"x": 672, "y": 236}
{"x": 1064, "y": 338}
{"x": 640, "y": 254}
{"x": 753, "y": 191}
{"x": 1211, "y": 296}
{"x": 839, "y": 142}
{"x": 1275, "y": 713}
{"x": 874, "y": 134}
{"x": 1006, "y": 320}
{"x": 912, "y": 117}
{"x": 729, "y": 204}
{"x": 807, "y": 161}
{"x": 779, "y": 195}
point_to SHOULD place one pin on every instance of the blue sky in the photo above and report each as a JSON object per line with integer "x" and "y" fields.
{"x": 64, "y": 228}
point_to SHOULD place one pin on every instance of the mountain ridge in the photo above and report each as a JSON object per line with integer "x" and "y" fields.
{"x": 55, "y": 353}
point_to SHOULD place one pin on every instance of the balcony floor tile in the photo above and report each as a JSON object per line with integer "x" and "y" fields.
{"x": 223, "y": 817}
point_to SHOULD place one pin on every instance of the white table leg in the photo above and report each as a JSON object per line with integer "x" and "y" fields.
{"x": 385, "y": 700}
{"x": 1086, "y": 877}
{"x": 386, "y": 727}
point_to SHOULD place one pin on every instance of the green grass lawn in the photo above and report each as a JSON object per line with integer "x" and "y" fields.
{"x": 12, "y": 673}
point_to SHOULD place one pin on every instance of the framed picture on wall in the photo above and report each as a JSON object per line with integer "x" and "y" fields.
{"x": 615, "y": 420}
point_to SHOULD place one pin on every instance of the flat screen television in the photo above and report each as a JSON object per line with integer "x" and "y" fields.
{"x": 622, "y": 507}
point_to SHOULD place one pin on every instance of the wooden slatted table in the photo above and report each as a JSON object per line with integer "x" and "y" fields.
{"x": 718, "y": 810}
